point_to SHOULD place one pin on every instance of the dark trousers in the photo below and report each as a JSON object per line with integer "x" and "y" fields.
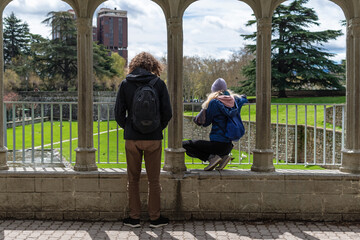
{"x": 203, "y": 149}
{"x": 151, "y": 150}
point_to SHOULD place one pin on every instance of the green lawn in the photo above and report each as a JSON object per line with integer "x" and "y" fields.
{"x": 107, "y": 149}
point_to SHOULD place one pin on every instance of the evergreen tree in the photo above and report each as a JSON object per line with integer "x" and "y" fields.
{"x": 56, "y": 59}
{"x": 16, "y": 38}
{"x": 59, "y": 56}
{"x": 103, "y": 63}
{"x": 298, "y": 58}
{"x": 109, "y": 68}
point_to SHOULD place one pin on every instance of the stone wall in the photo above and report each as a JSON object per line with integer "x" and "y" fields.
{"x": 338, "y": 115}
{"x": 192, "y": 131}
{"x": 62, "y": 194}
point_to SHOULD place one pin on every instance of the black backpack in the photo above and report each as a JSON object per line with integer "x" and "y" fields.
{"x": 146, "y": 108}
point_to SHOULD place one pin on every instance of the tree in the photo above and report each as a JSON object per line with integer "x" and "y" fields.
{"x": 22, "y": 65}
{"x": 118, "y": 65}
{"x": 235, "y": 63}
{"x": 103, "y": 61}
{"x": 59, "y": 55}
{"x": 192, "y": 66}
{"x": 16, "y": 38}
{"x": 56, "y": 60}
{"x": 109, "y": 69}
{"x": 298, "y": 57}
{"x": 12, "y": 81}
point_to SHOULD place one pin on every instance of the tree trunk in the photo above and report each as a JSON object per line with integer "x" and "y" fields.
{"x": 282, "y": 93}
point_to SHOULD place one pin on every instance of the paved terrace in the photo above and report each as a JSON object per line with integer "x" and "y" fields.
{"x": 211, "y": 230}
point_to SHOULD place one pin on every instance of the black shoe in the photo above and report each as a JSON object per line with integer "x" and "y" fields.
{"x": 135, "y": 223}
{"x": 161, "y": 221}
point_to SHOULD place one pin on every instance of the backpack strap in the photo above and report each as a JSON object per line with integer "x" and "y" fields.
{"x": 153, "y": 81}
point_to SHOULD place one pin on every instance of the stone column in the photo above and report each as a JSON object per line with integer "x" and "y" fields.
{"x": 175, "y": 153}
{"x": 85, "y": 153}
{"x": 351, "y": 152}
{"x": 3, "y": 149}
{"x": 263, "y": 154}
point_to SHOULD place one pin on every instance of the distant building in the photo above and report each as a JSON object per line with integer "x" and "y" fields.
{"x": 112, "y": 30}
{"x": 94, "y": 33}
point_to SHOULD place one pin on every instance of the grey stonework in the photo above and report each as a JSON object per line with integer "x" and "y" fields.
{"x": 192, "y": 131}
{"x": 62, "y": 194}
{"x": 338, "y": 115}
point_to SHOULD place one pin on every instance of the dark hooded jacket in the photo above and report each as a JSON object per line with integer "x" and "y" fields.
{"x": 218, "y": 113}
{"x": 124, "y": 102}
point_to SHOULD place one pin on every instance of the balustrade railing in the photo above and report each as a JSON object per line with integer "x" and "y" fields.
{"x": 46, "y": 133}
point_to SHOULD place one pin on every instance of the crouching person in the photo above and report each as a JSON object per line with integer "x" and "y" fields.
{"x": 220, "y": 107}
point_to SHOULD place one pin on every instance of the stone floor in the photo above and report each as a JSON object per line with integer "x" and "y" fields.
{"x": 213, "y": 230}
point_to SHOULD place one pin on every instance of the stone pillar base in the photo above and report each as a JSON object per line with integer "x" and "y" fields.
{"x": 85, "y": 159}
{"x": 263, "y": 160}
{"x": 351, "y": 161}
{"x": 3, "y": 159}
{"x": 175, "y": 160}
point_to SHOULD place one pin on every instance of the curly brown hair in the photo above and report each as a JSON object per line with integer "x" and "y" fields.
{"x": 146, "y": 61}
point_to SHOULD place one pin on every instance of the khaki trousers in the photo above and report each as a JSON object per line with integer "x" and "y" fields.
{"x": 151, "y": 150}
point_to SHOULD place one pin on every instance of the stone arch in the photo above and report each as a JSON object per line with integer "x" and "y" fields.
{"x": 263, "y": 8}
{"x": 345, "y": 8}
{"x": 84, "y": 8}
{"x": 3, "y": 5}
{"x": 174, "y": 8}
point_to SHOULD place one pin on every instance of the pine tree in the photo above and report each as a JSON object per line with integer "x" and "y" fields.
{"x": 60, "y": 58}
{"x": 16, "y": 38}
{"x": 298, "y": 57}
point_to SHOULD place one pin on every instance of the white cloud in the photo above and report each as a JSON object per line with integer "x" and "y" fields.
{"x": 212, "y": 28}
{"x": 34, "y": 12}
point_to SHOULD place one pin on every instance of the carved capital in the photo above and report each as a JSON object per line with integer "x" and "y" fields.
{"x": 264, "y": 26}
{"x": 174, "y": 24}
{"x": 354, "y": 28}
{"x": 84, "y": 25}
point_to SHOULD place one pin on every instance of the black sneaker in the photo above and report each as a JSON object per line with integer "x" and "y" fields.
{"x": 161, "y": 221}
{"x": 135, "y": 223}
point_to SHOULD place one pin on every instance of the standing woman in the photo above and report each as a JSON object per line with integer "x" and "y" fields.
{"x": 219, "y": 105}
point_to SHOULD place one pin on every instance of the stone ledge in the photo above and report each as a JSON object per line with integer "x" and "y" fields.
{"x": 245, "y": 174}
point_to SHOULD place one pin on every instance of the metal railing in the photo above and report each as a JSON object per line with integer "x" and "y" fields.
{"x": 302, "y": 134}
{"x": 46, "y": 133}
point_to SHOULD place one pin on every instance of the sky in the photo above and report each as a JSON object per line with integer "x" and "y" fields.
{"x": 212, "y": 28}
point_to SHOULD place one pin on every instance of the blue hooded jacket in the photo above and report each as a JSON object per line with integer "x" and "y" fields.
{"x": 217, "y": 114}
